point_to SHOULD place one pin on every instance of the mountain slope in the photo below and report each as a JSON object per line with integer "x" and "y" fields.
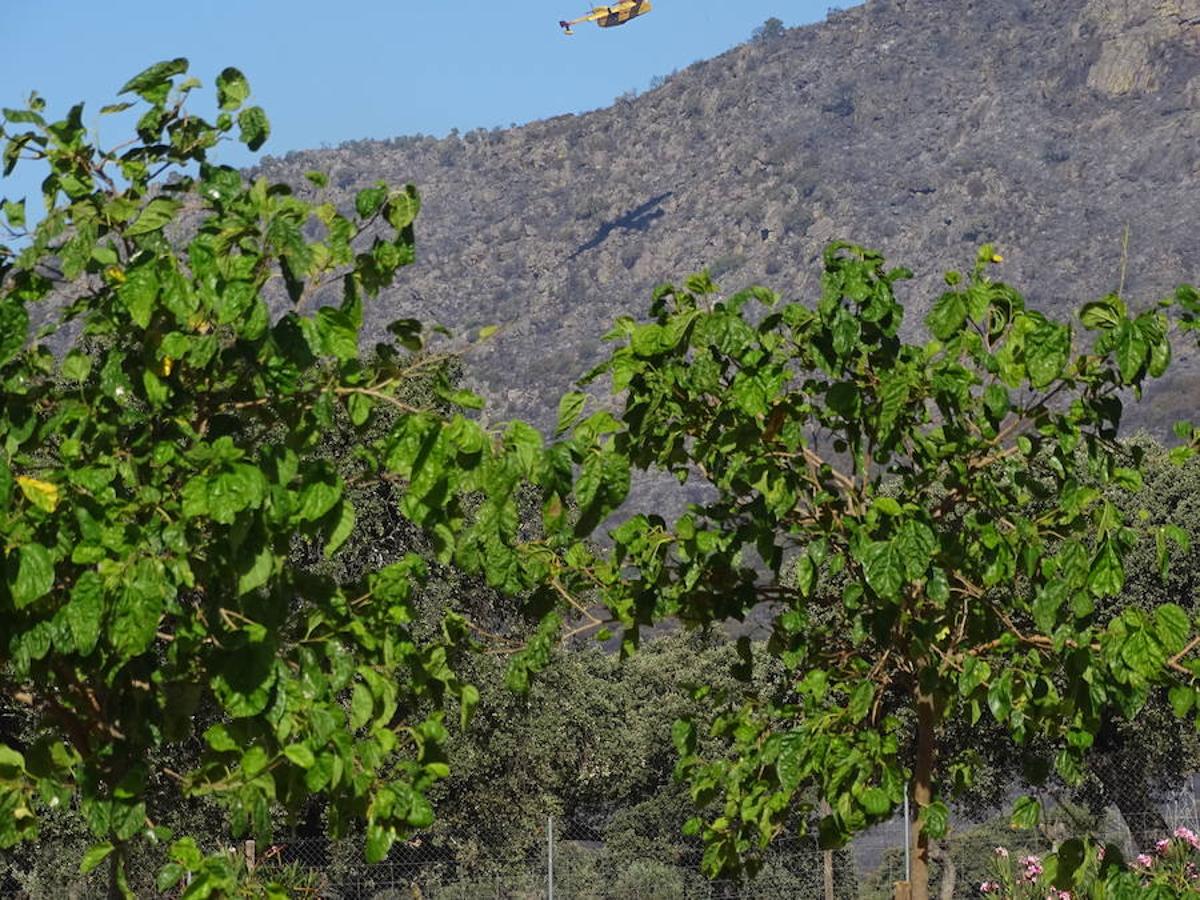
{"x": 920, "y": 127}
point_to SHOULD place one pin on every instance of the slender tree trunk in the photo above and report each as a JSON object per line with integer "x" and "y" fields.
{"x": 923, "y": 792}
{"x": 114, "y": 869}
{"x": 827, "y": 858}
{"x": 949, "y": 873}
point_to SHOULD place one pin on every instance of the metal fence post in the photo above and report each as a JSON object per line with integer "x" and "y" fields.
{"x": 903, "y": 889}
{"x": 550, "y": 858}
{"x": 907, "y": 840}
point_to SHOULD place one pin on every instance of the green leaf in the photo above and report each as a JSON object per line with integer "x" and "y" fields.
{"x": 1132, "y": 351}
{"x": 85, "y": 611}
{"x": 860, "y": 701}
{"x": 1129, "y": 479}
{"x": 379, "y": 842}
{"x": 461, "y": 398}
{"x": 300, "y": 755}
{"x": 884, "y": 569}
{"x": 570, "y": 408}
{"x": 876, "y": 802}
{"x": 790, "y": 766}
{"x": 1026, "y": 814}
{"x": 317, "y": 499}
{"x": 947, "y": 316}
{"x": 232, "y": 89}
{"x": 218, "y": 738}
{"x": 243, "y": 678}
{"x": 95, "y": 855}
{"x": 1071, "y": 855}
{"x": 934, "y": 818}
{"x": 468, "y": 700}
{"x": 916, "y": 544}
{"x": 1143, "y": 653}
{"x": 1102, "y": 314}
{"x": 42, "y": 494}
{"x": 1047, "y": 349}
{"x": 155, "y": 76}
{"x": 359, "y": 407}
{"x": 139, "y": 293}
{"x": 11, "y": 759}
{"x": 339, "y": 337}
{"x": 893, "y": 394}
{"x": 255, "y": 571}
{"x": 14, "y": 213}
{"x": 137, "y": 610}
{"x": 255, "y": 760}
{"x": 169, "y": 876}
{"x": 887, "y": 506}
{"x": 1183, "y": 698}
{"x": 255, "y": 128}
{"x": 154, "y": 216}
{"x": 14, "y": 328}
{"x": 157, "y": 392}
{"x": 1173, "y": 627}
{"x": 34, "y": 575}
{"x": 1107, "y": 574}
{"x": 343, "y": 528}
{"x": 362, "y": 706}
{"x": 369, "y": 201}
{"x": 76, "y": 366}
{"x": 402, "y": 208}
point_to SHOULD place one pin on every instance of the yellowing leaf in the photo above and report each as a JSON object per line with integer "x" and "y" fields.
{"x": 41, "y": 494}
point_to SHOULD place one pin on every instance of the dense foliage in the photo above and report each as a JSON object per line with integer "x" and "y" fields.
{"x": 948, "y": 551}
{"x": 156, "y": 475}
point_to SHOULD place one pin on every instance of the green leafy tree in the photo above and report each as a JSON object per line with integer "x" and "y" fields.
{"x": 950, "y": 557}
{"x": 158, "y": 470}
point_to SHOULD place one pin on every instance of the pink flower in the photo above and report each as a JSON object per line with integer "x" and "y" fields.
{"x": 1186, "y": 834}
{"x": 1058, "y": 895}
{"x": 1143, "y": 861}
{"x": 1161, "y": 847}
{"x": 1002, "y": 852}
{"x": 990, "y": 887}
{"x": 1100, "y": 854}
{"x": 1033, "y": 868}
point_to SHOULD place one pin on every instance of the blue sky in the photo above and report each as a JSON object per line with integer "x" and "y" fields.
{"x": 327, "y": 72}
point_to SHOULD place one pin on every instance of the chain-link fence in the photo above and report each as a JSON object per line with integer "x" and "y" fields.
{"x": 571, "y": 860}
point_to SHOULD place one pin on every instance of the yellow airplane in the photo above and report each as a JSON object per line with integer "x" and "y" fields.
{"x": 610, "y": 16}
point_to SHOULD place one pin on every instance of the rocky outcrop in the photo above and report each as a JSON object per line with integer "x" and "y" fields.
{"x": 920, "y": 127}
{"x": 1137, "y": 39}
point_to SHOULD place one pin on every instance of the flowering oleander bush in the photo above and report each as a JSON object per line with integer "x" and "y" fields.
{"x": 1083, "y": 869}
{"x": 1173, "y": 868}
{"x": 1023, "y": 877}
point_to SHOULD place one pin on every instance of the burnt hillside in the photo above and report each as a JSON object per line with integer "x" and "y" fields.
{"x": 920, "y": 127}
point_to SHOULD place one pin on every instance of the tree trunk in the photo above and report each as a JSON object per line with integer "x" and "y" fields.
{"x": 949, "y": 873}
{"x": 827, "y": 858}
{"x": 923, "y": 792}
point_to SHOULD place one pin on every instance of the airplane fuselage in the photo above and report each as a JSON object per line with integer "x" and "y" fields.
{"x": 620, "y": 13}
